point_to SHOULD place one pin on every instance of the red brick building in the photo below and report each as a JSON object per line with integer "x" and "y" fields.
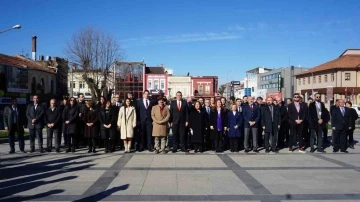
{"x": 156, "y": 80}
{"x": 204, "y": 86}
{"x": 129, "y": 77}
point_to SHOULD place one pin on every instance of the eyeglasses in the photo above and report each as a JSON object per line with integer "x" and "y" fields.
{"x": 317, "y": 96}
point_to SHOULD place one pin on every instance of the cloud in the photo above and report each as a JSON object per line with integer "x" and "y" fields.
{"x": 236, "y": 28}
{"x": 182, "y": 38}
{"x": 261, "y": 25}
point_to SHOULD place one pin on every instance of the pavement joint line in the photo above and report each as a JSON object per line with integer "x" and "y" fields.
{"x": 254, "y": 185}
{"x": 101, "y": 184}
{"x": 260, "y": 197}
{"x": 346, "y": 165}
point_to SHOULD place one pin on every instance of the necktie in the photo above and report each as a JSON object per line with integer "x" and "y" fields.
{"x": 147, "y": 104}
{"x": 35, "y": 107}
{"x": 239, "y": 109}
{"x": 343, "y": 111}
{"x": 272, "y": 112}
{"x": 251, "y": 107}
{"x": 179, "y": 107}
{"x": 15, "y": 115}
{"x": 208, "y": 110}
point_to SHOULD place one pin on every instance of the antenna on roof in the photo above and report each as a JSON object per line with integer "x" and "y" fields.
{"x": 143, "y": 59}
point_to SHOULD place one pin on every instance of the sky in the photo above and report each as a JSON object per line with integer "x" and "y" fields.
{"x": 202, "y": 37}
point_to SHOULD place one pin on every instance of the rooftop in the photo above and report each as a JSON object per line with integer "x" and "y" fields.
{"x": 349, "y": 59}
{"x": 21, "y": 61}
{"x": 154, "y": 70}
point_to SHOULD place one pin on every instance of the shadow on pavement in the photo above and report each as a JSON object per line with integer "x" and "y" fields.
{"x": 103, "y": 195}
{"x": 32, "y": 197}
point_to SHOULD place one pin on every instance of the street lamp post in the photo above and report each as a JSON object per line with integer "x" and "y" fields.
{"x": 227, "y": 81}
{"x": 14, "y": 27}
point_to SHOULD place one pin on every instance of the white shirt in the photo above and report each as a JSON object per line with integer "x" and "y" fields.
{"x": 318, "y": 105}
{"x": 146, "y": 100}
{"x": 52, "y": 109}
{"x": 178, "y": 103}
{"x": 234, "y": 113}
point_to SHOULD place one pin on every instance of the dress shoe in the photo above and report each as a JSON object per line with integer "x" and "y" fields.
{"x": 312, "y": 150}
{"x": 32, "y": 150}
{"x": 94, "y": 151}
{"x": 89, "y": 151}
{"x": 156, "y": 151}
{"x": 164, "y": 152}
{"x": 321, "y": 151}
{"x": 344, "y": 151}
{"x": 42, "y": 150}
{"x": 335, "y": 150}
{"x": 23, "y": 151}
{"x": 274, "y": 151}
{"x": 267, "y": 151}
{"x": 68, "y": 150}
{"x": 174, "y": 150}
{"x": 255, "y": 151}
{"x": 351, "y": 147}
{"x": 57, "y": 150}
{"x": 12, "y": 152}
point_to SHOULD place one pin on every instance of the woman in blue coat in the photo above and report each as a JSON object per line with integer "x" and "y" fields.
{"x": 235, "y": 120}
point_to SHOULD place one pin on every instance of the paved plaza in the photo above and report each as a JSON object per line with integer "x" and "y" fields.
{"x": 180, "y": 177}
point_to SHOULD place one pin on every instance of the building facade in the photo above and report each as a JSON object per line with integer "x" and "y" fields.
{"x": 179, "y": 83}
{"x": 129, "y": 77}
{"x": 156, "y": 80}
{"x": 280, "y": 81}
{"x": 204, "y": 86}
{"x": 338, "y": 78}
{"x": 251, "y": 82}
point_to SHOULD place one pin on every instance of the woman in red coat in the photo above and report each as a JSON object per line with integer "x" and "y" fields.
{"x": 91, "y": 125}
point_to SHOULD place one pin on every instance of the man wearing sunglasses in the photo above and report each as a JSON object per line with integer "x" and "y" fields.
{"x": 317, "y": 121}
{"x": 297, "y": 116}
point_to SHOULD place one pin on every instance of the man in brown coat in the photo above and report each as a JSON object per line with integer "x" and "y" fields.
{"x": 160, "y": 115}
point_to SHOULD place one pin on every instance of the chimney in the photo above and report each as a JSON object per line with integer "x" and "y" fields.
{"x": 34, "y": 48}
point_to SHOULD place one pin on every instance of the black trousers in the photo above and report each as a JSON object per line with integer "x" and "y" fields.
{"x": 146, "y": 134}
{"x": 306, "y": 133}
{"x": 219, "y": 141}
{"x": 351, "y": 136}
{"x": 38, "y": 134}
{"x": 340, "y": 140}
{"x": 198, "y": 147}
{"x": 259, "y": 136}
{"x": 316, "y": 133}
{"x": 296, "y": 131}
{"x": 53, "y": 132}
{"x": 71, "y": 141}
{"x": 179, "y": 136}
{"x": 272, "y": 136}
{"x": 234, "y": 144}
{"x": 20, "y": 135}
{"x": 283, "y": 133}
{"x": 91, "y": 143}
{"x": 208, "y": 142}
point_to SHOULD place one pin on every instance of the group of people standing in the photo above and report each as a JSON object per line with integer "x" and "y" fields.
{"x": 207, "y": 124}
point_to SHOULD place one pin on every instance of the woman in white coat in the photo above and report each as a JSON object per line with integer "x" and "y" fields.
{"x": 126, "y": 123}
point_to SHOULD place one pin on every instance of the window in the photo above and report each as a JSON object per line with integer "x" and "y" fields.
{"x": 207, "y": 90}
{"x": 320, "y": 79}
{"x": 200, "y": 89}
{"x": 72, "y": 84}
{"x": 299, "y": 82}
{"x": 81, "y": 84}
{"x": 325, "y": 78}
{"x": 162, "y": 84}
{"x": 156, "y": 84}
{"x": 303, "y": 81}
{"x": 347, "y": 76}
{"x": 149, "y": 84}
{"x": 314, "y": 79}
{"x": 332, "y": 77}
{"x": 308, "y": 80}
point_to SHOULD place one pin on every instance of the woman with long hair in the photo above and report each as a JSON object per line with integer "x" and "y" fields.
{"x": 107, "y": 120}
{"x": 198, "y": 125}
{"x": 69, "y": 117}
{"x": 218, "y": 126}
{"x": 126, "y": 123}
{"x": 91, "y": 132}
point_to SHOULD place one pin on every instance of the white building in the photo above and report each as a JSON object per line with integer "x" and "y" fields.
{"x": 251, "y": 82}
{"x": 78, "y": 85}
{"x": 179, "y": 83}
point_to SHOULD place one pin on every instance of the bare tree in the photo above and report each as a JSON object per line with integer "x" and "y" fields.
{"x": 95, "y": 53}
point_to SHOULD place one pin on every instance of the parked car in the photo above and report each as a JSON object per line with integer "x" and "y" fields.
{"x": 88, "y": 96}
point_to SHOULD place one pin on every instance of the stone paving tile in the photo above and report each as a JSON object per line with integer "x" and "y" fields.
{"x": 309, "y": 181}
{"x": 207, "y": 183}
{"x": 160, "y": 183}
{"x": 320, "y": 201}
{"x": 281, "y": 161}
{"x": 353, "y": 159}
{"x": 135, "y": 180}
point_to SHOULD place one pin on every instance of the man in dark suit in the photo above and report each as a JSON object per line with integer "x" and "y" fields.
{"x": 317, "y": 116}
{"x": 208, "y": 142}
{"x": 53, "y": 122}
{"x": 13, "y": 122}
{"x": 259, "y": 102}
{"x": 297, "y": 116}
{"x": 190, "y": 107}
{"x": 116, "y": 106}
{"x": 179, "y": 119}
{"x": 340, "y": 122}
{"x": 35, "y": 116}
{"x": 270, "y": 121}
{"x": 144, "y": 107}
{"x": 251, "y": 113}
{"x": 283, "y": 126}
{"x": 332, "y": 108}
{"x": 80, "y": 125}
